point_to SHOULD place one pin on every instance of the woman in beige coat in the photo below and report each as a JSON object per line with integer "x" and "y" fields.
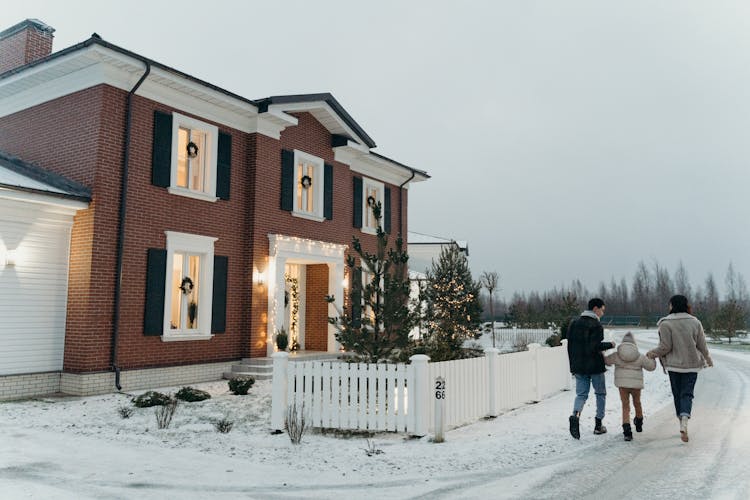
{"x": 629, "y": 365}
{"x": 683, "y": 352}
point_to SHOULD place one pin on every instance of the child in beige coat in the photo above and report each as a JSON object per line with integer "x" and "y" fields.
{"x": 629, "y": 365}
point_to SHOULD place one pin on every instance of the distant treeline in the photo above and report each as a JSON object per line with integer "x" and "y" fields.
{"x": 646, "y": 299}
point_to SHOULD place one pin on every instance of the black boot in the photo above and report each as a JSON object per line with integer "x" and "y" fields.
{"x": 574, "y": 429}
{"x": 638, "y": 421}
{"x": 599, "y": 428}
{"x": 627, "y": 432}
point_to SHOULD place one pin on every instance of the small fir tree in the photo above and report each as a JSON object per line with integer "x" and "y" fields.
{"x": 453, "y": 307}
{"x": 377, "y": 323}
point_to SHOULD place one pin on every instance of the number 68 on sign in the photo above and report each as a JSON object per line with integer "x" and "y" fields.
{"x": 439, "y": 388}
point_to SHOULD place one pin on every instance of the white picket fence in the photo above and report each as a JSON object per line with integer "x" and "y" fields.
{"x": 402, "y": 398}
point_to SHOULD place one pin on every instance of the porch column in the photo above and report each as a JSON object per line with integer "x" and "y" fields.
{"x": 335, "y": 288}
{"x": 275, "y": 300}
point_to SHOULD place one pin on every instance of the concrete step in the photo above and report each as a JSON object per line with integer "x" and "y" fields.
{"x": 252, "y": 368}
{"x": 247, "y": 374}
{"x": 257, "y": 361}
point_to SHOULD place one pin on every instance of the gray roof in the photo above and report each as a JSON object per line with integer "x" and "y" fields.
{"x": 20, "y": 175}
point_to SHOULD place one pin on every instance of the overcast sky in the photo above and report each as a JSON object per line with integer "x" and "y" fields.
{"x": 565, "y": 139}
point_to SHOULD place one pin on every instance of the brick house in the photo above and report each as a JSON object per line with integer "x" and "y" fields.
{"x": 215, "y": 220}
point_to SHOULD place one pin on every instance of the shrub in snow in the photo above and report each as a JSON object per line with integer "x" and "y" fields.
{"x": 165, "y": 413}
{"x": 371, "y": 450}
{"x": 553, "y": 340}
{"x": 190, "y": 394}
{"x": 240, "y": 386}
{"x": 295, "y": 424}
{"x": 224, "y": 425}
{"x": 150, "y": 398}
{"x": 125, "y": 411}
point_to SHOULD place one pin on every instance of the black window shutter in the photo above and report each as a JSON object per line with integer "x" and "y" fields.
{"x": 223, "y": 166}
{"x": 357, "y": 202}
{"x": 219, "y": 304}
{"x": 328, "y": 191}
{"x": 287, "y": 180}
{"x": 161, "y": 160}
{"x": 356, "y": 298}
{"x": 156, "y": 276}
{"x": 387, "y": 210}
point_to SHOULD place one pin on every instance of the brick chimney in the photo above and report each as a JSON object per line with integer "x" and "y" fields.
{"x": 23, "y": 43}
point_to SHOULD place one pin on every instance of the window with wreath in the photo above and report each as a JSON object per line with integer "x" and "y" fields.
{"x": 191, "y": 157}
{"x": 372, "y": 195}
{"x": 306, "y": 185}
{"x": 187, "y": 308}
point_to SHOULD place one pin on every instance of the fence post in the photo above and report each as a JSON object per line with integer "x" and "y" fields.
{"x": 420, "y": 397}
{"x": 491, "y": 354}
{"x": 564, "y": 345}
{"x": 439, "y": 410}
{"x": 279, "y": 390}
{"x": 534, "y": 349}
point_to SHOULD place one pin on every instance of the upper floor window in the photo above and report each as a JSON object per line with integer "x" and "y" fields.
{"x": 190, "y": 157}
{"x": 194, "y": 158}
{"x": 372, "y": 195}
{"x": 308, "y": 188}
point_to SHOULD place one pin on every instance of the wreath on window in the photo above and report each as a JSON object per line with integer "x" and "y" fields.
{"x": 306, "y": 181}
{"x": 192, "y": 149}
{"x": 371, "y": 201}
{"x": 186, "y": 285}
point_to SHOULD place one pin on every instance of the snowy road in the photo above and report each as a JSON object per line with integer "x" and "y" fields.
{"x": 657, "y": 464}
{"x": 79, "y": 448}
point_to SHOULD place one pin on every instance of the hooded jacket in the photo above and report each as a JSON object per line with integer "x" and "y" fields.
{"x": 682, "y": 344}
{"x": 585, "y": 345}
{"x": 629, "y": 364}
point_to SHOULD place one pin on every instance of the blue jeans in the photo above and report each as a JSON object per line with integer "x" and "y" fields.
{"x": 682, "y": 392}
{"x": 583, "y": 386}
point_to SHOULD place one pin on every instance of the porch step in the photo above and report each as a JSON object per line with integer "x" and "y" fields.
{"x": 262, "y": 368}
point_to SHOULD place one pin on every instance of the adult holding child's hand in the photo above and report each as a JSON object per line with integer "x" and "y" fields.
{"x": 683, "y": 352}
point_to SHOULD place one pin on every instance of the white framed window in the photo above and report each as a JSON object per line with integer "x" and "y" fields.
{"x": 194, "y": 157}
{"x": 189, "y": 287}
{"x": 308, "y": 186}
{"x": 372, "y": 193}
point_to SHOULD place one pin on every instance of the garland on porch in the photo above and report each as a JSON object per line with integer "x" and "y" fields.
{"x": 293, "y": 329}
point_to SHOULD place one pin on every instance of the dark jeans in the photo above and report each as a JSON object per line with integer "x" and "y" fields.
{"x": 682, "y": 391}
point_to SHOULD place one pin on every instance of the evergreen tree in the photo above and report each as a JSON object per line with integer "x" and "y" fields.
{"x": 377, "y": 323}
{"x": 453, "y": 307}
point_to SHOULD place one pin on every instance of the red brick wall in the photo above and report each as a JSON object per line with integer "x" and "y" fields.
{"x": 24, "y": 47}
{"x": 316, "y": 308}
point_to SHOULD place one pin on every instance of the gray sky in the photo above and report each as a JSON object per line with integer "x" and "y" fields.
{"x": 565, "y": 139}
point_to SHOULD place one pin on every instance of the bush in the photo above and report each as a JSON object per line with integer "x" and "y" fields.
{"x": 282, "y": 340}
{"x": 295, "y": 423}
{"x": 165, "y": 413}
{"x": 553, "y": 340}
{"x": 125, "y": 411}
{"x": 224, "y": 425}
{"x": 190, "y": 394}
{"x": 151, "y": 398}
{"x": 240, "y": 386}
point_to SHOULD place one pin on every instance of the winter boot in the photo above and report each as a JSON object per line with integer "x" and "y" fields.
{"x": 638, "y": 421}
{"x": 599, "y": 428}
{"x": 574, "y": 429}
{"x": 627, "y": 432}
{"x": 683, "y": 428}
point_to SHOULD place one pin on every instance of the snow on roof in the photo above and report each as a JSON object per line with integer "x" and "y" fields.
{"x": 414, "y": 238}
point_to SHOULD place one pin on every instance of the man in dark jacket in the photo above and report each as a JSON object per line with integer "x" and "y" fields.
{"x": 585, "y": 346}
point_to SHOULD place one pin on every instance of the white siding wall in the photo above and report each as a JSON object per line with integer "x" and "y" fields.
{"x": 33, "y": 293}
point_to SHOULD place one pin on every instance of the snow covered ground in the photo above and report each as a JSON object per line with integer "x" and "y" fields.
{"x": 81, "y": 448}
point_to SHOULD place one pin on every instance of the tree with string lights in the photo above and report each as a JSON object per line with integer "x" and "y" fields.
{"x": 378, "y": 316}
{"x": 453, "y": 308}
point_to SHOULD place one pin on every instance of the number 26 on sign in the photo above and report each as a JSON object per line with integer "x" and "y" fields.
{"x": 439, "y": 388}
